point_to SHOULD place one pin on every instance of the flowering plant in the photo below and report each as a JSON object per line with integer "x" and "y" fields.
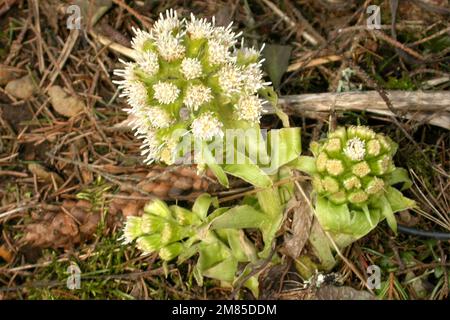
{"x": 188, "y": 79}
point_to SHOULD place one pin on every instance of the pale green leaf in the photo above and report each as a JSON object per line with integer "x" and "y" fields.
{"x": 397, "y": 201}
{"x": 305, "y": 164}
{"x": 386, "y": 211}
{"x": 242, "y": 248}
{"x": 250, "y": 173}
{"x": 201, "y": 205}
{"x": 284, "y": 146}
{"x": 399, "y": 175}
{"x": 240, "y": 217}
{"x": 276, "y": 61}
{"x": 223, "y": 271}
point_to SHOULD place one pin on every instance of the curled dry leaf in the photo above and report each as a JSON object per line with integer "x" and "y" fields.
{"x": 44, "y": 174}
{"x": 22, "y": 88}
{"x": 63, "y": 103}
{"x": 301, "y": 224}
{"x": 331, "y": 292}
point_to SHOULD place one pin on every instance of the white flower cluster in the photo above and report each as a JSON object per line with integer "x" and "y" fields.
{"x": 189, "y": 75}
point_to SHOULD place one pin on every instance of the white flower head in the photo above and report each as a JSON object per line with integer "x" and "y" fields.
{"x": 252, "y": 78}
{"x": 249, "y": 108}
{"x": 247, "y": 54}
{"x": 218, "y": 53}
{"x": 169, "y": 47}
{"x": 167, "y": 23}
{"x": 197, "y": 95}
{"x": 153, "y": 117}
{"x": 140, "y": 38}
{"x": 127, "y": 74}
{"x": 206, "y": 127}
{"x": 165, "y": 92}
{"x": 150, "y": 147}
{"x": 136, "y": 94}
{"x": 148, "y": 62}
{"x": 230, "y": 79}
{"x": 168, "y": 151}
{"x": 132, "y": 229}
{"x": 225, "y": 35}
{"x": 198, "y": 28}
{"x": 355, "y": 149}
{"x": 191, "y": 68}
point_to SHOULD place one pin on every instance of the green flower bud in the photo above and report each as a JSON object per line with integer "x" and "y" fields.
{"x": 159, "y": 208}
{"x": 321, "y": 162}
{"x": 375, "y": 186}
{"x": 381, "y": 166}
{"x": 171, "y": 251}
{"x": 338, "y": 197}
{"x": 185, "y": 217}
{"x": 173, "y": 232}
{"x": 352, "y": 183}
{"x": 132, "y": 229}
{"x": 340, "y": 133}
{"x": 152, "y": 223}
{"x": 334, "y": 167}
{"x": 384, "y": 143}
{"x": 361, "y": 169}
{"x": 333, "y": 146}
{"x": 358, "y": 197}
{"x": 317, "y": 184}
{"x": 330, "y": 184}
{"x": 373, "y": 148}
{"x": 149, "y": 243}
{"x": 314, "y": 147}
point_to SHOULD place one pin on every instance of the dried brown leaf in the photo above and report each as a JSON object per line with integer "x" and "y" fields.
{"x": 22, "y": 88}
{"x": 301, "y": 225}
{"x": 63, "y": 103}
{"x": 342, "y": 293}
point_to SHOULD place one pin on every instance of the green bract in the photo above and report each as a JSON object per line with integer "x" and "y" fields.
{"x": 353, "y": 176}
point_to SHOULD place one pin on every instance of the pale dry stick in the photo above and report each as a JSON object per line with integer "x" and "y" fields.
{"x": 305, "y": 23}
{"x": 16, "y": 210}
{"x": 10, "y": 157}
{"x": 17, "y": 44}
{"x": 34, "y": 5}
{"x": 370, "y": 101}
{"x": 308, "y": 37}
{"x": 431, "y": 37}
{"x": 138, "y": 16}
{"x": 398, "y": 45}
{"x": 381, "y": 27}
{"x": 347, "y": 262}
{"x": 54, "y": 62}
{"x": 313, "y": 63}
{"x": 62, "y": 59}
{"x": 6, "y": 5}
{"x": 127, "y": 52}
